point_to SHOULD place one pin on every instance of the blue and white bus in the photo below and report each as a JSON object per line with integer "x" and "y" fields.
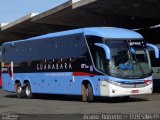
{"x": 98, "y": 61}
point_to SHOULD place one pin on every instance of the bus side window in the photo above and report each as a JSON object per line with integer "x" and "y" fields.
{"x": 100, "y": 59}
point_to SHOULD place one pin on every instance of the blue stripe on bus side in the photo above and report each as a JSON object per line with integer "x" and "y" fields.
{"x": 52, "y": 83}
{"x": 59, "y": 82}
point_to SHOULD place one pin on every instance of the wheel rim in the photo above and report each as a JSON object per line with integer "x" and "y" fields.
{"x": 28, "y": 91}
{"x": 19, "y": 89}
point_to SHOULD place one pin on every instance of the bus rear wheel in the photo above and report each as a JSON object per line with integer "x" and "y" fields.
{"x": 87, "y": 93}
{"x": 19, "y": 90}
{"x": 28, "y": 91}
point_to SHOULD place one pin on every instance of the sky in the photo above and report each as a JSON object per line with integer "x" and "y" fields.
{"x": 11, "y": 10}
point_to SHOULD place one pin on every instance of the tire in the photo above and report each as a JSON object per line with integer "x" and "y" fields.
{"x": 84, "y": 96}
{"x": 28, "y": 91}
{"x": 87, "y": 93}
{"x": 90, "y": 97}
{"x": 19, "y": 90}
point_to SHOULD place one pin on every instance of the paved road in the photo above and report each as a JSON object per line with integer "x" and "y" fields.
{"x": 49, "y": 105}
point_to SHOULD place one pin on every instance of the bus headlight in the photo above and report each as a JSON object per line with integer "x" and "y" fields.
{"x": 114, "y": 83}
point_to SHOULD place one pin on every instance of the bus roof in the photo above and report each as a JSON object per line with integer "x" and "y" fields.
{"x": 105, "y": 32}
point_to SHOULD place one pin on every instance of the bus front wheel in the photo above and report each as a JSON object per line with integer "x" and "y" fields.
{"x": 28, "y": 91}
{"x": 87, "y": 93}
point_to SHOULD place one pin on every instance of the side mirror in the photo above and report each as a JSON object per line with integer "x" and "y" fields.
{"x": 156, "y": 50}
{"x": 106, "y": 49}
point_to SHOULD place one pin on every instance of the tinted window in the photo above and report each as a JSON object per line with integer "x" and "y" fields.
{"x": 49, "y": 48}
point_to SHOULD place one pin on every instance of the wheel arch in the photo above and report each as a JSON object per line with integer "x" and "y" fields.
{"x": 18, "y": 81}
{"x": 85, "y": 81}
{"x": 26, "y": 81}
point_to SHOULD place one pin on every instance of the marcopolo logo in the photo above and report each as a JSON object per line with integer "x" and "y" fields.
{"x": 134, "y": 43}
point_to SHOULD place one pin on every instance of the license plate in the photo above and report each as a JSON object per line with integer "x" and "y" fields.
{"x": 135, "y": 91}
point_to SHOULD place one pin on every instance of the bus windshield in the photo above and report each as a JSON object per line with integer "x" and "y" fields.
{"x": 130, "y": 59}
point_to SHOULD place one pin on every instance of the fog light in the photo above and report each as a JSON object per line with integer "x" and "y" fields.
{"x": 113, "y": 91}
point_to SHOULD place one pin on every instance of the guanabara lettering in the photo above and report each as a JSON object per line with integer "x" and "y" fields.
{"x": 53, "y": 66}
